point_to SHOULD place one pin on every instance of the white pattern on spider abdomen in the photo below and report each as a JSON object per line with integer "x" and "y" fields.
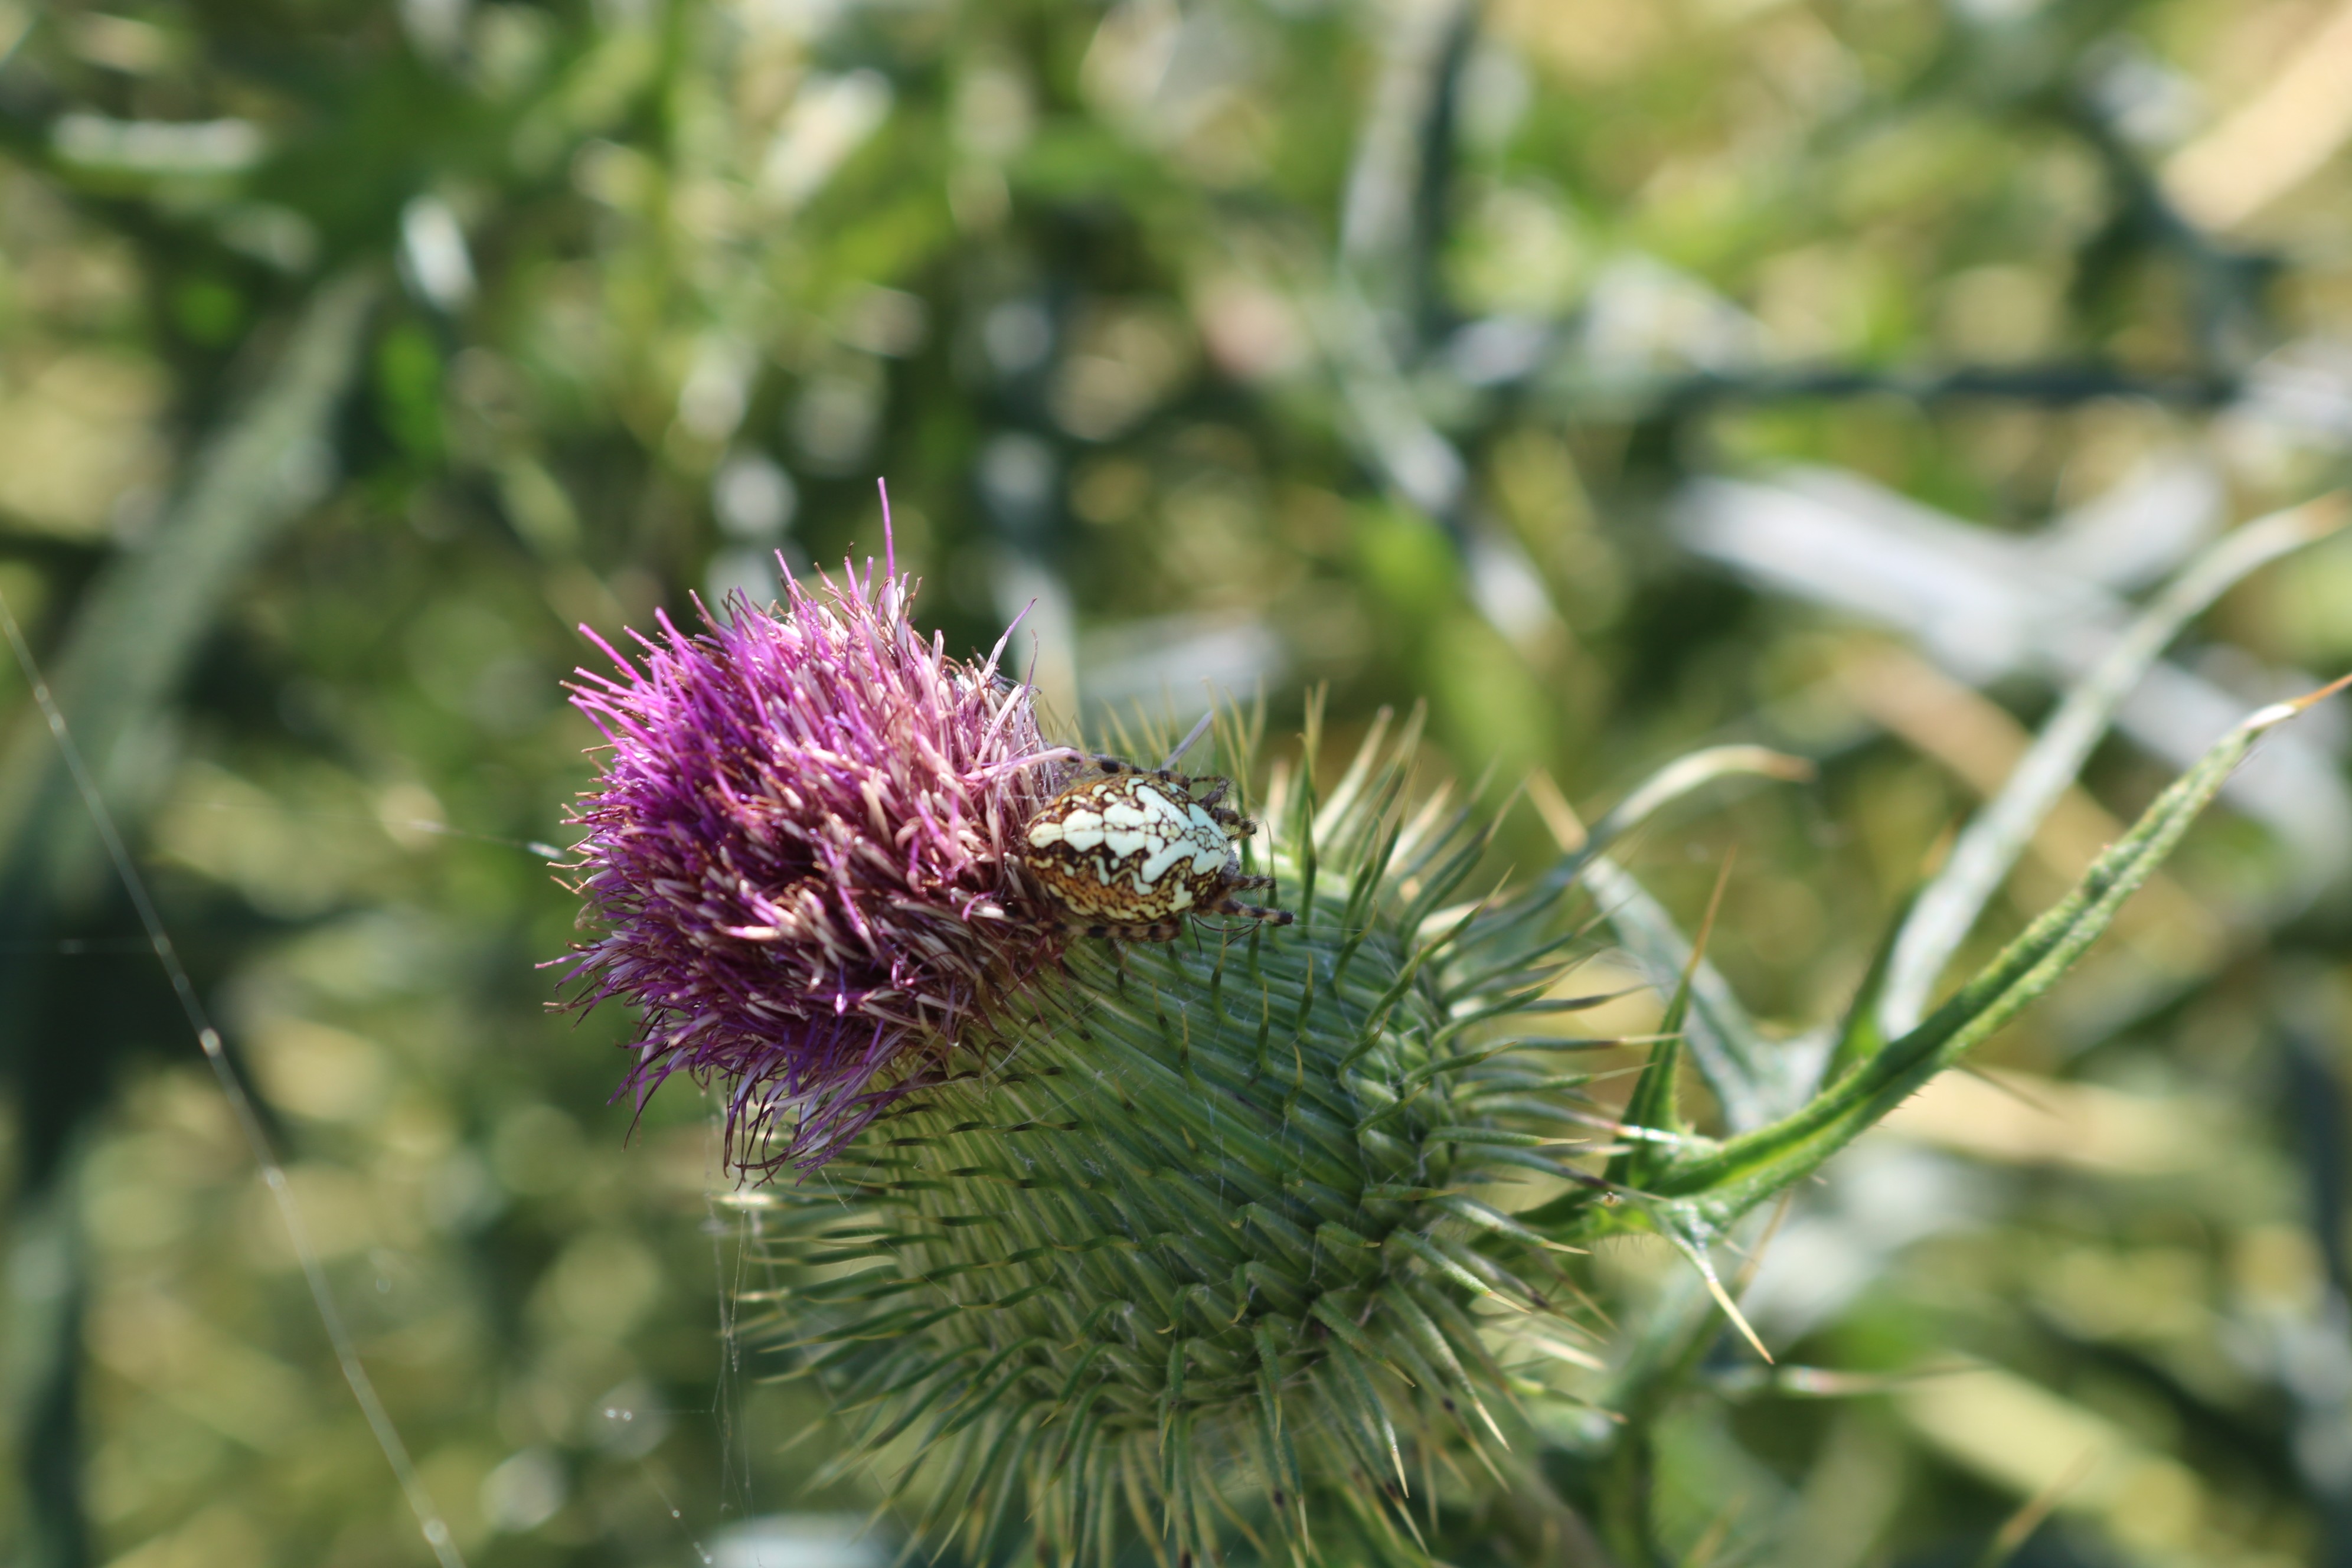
{"x": 1130, "y": 851}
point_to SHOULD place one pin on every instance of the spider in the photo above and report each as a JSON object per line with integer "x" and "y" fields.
{"x": 1129, "y": 852}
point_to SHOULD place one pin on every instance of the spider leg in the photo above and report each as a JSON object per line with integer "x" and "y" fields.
{"x": 1189, "y": 782}
{"x": 1255, "y": 912}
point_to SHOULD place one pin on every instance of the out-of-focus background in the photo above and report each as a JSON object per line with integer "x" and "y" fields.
{"x": 1611, "y": 376}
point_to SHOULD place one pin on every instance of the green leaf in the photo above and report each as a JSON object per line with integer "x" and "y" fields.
{"x": 1718, "y": 1187}
{"x": 1947, "y": 909}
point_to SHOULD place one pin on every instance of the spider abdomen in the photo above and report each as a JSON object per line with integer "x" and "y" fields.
{"x": 1131, "y": 854}
{"x": 1128, "y": 851}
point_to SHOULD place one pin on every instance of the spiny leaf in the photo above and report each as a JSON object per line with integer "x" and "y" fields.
{"x": 1947, "y": 909}
{"x": 1749, "y": 1168}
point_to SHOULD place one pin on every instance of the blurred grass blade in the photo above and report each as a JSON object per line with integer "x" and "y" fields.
{"x": 1740, "y": 1066}
{"x": 1724, "y": 1183}
{"x": 136, "y": 630}
{"x": 2019, "y": 1528}
{"x": 1579, "y": 845}
{"x": 1743, "y": 1073}
{"x": 140, "y": 623}
{"x": 1681, "y": 776}
{"x": 1947, "y": 909}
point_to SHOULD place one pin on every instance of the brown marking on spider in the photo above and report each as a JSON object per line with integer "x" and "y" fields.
{"x": 1129, "y": 852}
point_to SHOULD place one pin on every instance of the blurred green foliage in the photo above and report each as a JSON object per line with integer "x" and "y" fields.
{"x": 351, "y": 355}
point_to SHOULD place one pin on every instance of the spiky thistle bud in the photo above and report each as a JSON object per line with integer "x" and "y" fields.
{"x": 1205, "y": 1254}
{"x": 1186, "y": 1229}
{"x": 796, "y": 858}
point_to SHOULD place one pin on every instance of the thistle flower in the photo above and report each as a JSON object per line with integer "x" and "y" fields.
{"x": 796, "y": 857}
{"x": 1250, "y": 1238}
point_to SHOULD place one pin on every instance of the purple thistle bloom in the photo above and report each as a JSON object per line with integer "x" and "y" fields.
{"x": 797, "y": 854}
